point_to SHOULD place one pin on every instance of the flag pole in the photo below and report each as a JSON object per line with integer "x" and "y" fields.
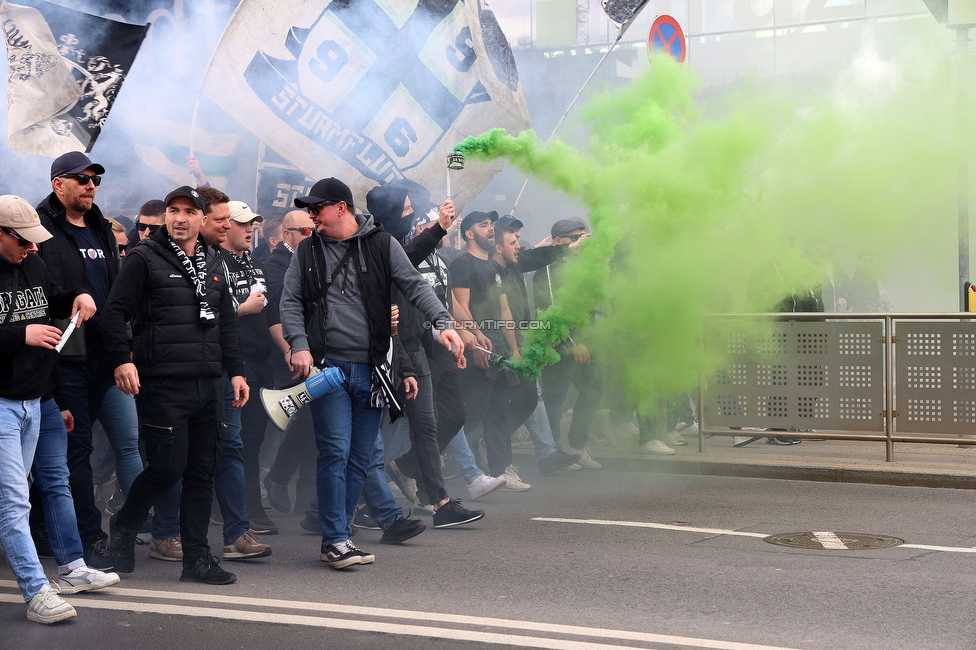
{"x": 620, "y": 34}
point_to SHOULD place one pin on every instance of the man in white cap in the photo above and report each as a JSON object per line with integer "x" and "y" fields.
{"x": 248, "y": 284}
{"x": 28, "y": 300}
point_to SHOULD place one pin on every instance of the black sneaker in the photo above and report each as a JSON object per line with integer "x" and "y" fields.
{"x": 121, "y": 548}
{"x": 453, "y": 514}
{"x": 364, "y": 520}
{"x": 556, "y": 461}
{"x": 783, "y": 440}
{"x": 42, "y": 542}
{"x": 341, "y": 555}
{"x": 401, "y": 530}
{"x": 207, "y": 570}
{"x": 367, "y": 558}
{"x": 277, "y": 495}
{"x": 261, "y": 524}
{"x": 311, "y": 523}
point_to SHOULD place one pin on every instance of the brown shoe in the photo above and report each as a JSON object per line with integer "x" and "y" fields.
{"x": 170, "y": 549}
{"x": 245, "y": 547}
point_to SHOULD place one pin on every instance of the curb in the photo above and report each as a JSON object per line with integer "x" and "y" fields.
{"x": 826, "y": 473}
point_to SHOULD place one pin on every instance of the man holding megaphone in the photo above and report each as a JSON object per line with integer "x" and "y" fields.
{"x": 335, "y": 313}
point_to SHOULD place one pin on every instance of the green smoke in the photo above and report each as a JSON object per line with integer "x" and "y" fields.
{"x": 689, "y": 203}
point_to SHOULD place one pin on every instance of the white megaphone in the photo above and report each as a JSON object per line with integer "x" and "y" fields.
{"x": 282, "y": 405}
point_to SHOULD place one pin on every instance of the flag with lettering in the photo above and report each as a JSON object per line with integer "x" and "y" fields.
{"x": 64, "y": 70}
{"x": 372, "y": 91}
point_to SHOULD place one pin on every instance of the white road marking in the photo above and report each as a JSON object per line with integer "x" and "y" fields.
{"x": 647, "y": 524}
{"x": 720, "y": 531}
{"x": 323, "y": 620}
{"x": 830, "y": 541}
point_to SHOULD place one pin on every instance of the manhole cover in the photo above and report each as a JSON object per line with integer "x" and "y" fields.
{"x": 834, "y": 541}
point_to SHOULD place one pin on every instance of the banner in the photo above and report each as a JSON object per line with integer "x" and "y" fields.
{"x": 371, "y": 92}
{"x": 165, "y": 145}
{"x": 65, "y": 69}
{"x": 279, "y": 184}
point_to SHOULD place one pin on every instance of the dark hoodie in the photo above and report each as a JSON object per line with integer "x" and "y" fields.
{"x": 385, "y": 203}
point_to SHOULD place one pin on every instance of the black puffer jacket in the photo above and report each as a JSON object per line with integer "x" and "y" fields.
{"x": 155, "y": 292}
{"x": 60, "y": 253}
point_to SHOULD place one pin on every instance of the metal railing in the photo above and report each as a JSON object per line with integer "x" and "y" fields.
{"x": 834, "y": 376}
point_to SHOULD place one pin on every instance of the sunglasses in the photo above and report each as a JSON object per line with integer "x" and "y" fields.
{"x": 572, "y": 237}
{"x": 151, "y": 226}
{"x": 305, "y": 231}
{"x": 317, "y": 207}
{"x": 20, "y": 240}
{"x": 83, "y": 179}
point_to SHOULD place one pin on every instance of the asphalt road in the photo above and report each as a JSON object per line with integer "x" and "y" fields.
{"x": 699, "y": 576}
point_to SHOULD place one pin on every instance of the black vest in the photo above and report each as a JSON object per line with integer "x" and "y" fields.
{"x": 169, "y": 340}
{"x": 375, "y": 279}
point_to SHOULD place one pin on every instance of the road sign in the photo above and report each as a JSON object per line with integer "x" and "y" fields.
{"x": 666, "y": 36}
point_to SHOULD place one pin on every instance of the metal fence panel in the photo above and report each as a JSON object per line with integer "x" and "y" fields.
{"x": 935, "y": 377}
{"x": 824, "y": 376}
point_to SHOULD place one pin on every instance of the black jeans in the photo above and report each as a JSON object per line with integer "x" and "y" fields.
{"x": 588, "y": 380}
{"x": 486, "y": 397}
{"x": 448, "y": 399}
{"x": 254, "y": 422}
{"x": 179, "y": 423}
{"x": 523, "y": 398}
{"x": 297, "y": 450}
{"x": 423, "y": 461}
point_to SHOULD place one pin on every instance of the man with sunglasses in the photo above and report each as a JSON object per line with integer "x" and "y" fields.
{"x": 28, "y": 298}
{"x": 335, "y": 311}
{"x": 83, "y": 253}
{"x": 297, "y": 449}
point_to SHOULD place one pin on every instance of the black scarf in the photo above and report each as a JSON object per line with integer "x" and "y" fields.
{"x": 197, "y": 271}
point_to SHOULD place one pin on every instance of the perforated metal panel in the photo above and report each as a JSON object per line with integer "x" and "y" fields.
{"x": 825, "y": 376}
{"x": 935, "y": 377}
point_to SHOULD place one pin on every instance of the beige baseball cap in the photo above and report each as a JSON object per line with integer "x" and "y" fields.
{"x": 20, "y": 216}
{"x": 240, "y": 213}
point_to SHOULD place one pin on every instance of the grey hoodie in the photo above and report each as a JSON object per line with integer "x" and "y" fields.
{"x": 347, "y": 330}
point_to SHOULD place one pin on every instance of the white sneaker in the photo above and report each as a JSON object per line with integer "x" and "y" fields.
{"x": 48, "y": 607}
{"x": 628, "y": 430}
{"x": 484, "y": 485}
{"x": 574, "y": 467}
{"x": 656, "y": 447}
{"x": 513, "y": 482}
{"x": 586, "y": 461}
{"x": 675, "y": 439}
{"x": 688, "y": 430}
{"x": 86, "y": 579}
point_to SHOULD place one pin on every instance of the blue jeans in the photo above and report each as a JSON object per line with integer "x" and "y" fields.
{"x": 19, "y": 429}
{"x": 50, "y": 474}
{"x": 345, "y": 435}
{"x": 382, "y": 506}
{"x": 229, "y": 477}
{"x": 121, "y": 423}
{"x": 461, "y": 451}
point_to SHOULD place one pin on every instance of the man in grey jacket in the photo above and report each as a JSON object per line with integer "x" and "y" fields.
{"x": 335, "y": 312}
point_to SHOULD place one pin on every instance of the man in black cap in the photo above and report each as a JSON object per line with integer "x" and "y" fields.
{"x": 335, "y": 312}
{"x": 184, "y": 327}
{"x": 83, "y": 252}
{"x": 574, "y": 365}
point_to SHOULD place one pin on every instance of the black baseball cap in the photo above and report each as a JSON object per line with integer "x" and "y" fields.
{"x": 477, "y": 217}
{"x": 566, "y": 226}
{"x": 73, "y": 162}
{"x": 510, "y": 222}
{"x": 187, "y": 192}
{"x": 328, "y": 189}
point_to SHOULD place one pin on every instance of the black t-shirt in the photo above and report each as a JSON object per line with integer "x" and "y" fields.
{"x": 483, "y": 278}
{"x": 96, "y": 269}
{"x": 255, "y": 338}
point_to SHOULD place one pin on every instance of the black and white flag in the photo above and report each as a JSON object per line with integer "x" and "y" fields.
{"x": 622, "y": 11}
{"x": 370, "y": 91}
{"x": 64, "y": 71}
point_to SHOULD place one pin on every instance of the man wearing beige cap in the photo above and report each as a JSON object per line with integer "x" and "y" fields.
{"x": 249, "y": 285}
{"x": 28, "y": 300}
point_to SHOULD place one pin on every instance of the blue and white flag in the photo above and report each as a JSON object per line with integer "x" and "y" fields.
{"x": 64, "y": 70}
{"x": 370, "y": 91}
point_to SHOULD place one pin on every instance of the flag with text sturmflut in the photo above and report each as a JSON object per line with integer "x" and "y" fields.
{"x": 370, "y": 91}
{"x": 64, "y": 71}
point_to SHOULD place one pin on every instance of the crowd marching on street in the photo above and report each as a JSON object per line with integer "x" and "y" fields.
{"x": 161, "y": 333}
